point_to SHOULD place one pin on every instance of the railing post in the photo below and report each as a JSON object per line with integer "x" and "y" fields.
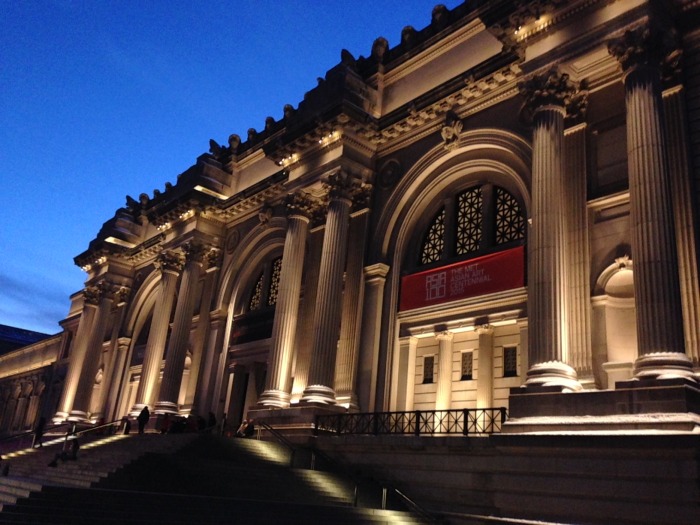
{"x": 465, "y": 427}
{"x": 416, "y": 431}
{"x": 316, "y": 425}
{"x": 337, "y": 424}
{"x": 383, "y": 498}
{"x": 312, "y": 466}
{"x": 375, "y": 423}
{"x": 503, "y": 415}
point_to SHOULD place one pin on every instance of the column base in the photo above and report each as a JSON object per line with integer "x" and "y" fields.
{"x": 348, "y": 401}
{"x": 552, "y": 375}
{"x": 166, "y": 407}
{"x": 59, "y": 417}
{"x": 318, "y": 395}
{"x": 616, "y": 371}
{"x": 664, "y": 365}
{"x": 274, "y": 399}
{"x": 78, "y": 416}
{"x": 136, "y": 409}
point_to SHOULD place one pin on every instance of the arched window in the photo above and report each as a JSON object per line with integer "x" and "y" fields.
{"x": 477, "y": 220}
{"x": 255, "y": 322}
{"x": 264, "y": 291}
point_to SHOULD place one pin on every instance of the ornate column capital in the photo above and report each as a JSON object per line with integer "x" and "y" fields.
{"x": 213, "y": 259}
{"x": 194, "y": 252}
{"x": 553, "y": 90}
{"x": 169, "y": 261}
{"x": 445, "y": 335}
{"x": 93, "y": 294}
{"x": 300, "y": 204}
{"x": 647, "y": 47}
{"x": 342, "y": 185}
{"x": 483, "y": 329}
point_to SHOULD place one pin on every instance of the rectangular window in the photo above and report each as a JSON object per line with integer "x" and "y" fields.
{"x": 510, "y": 361}
{"x": 428, "y": 367}
{"x": 467, "y": 365}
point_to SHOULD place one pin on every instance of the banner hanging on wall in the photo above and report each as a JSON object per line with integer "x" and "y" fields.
{"x": 492, "y": 273}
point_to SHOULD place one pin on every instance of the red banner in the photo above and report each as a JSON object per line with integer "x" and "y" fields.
{"x": 488, "y": 274}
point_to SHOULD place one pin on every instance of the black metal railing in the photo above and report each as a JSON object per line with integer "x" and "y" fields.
{"x": 466, "y": 422}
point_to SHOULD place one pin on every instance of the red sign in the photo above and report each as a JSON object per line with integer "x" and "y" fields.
{"x": 488, "y": 274}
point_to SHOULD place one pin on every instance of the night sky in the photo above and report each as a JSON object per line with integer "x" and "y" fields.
{"x": 103, "y": 99}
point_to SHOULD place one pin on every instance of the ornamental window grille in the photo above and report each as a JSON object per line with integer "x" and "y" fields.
{"x": 510, "y": 223}
{"x": 256, "y": 296}
{"x": 428, "y": 369}
{"x": 467, "y": 365}
{"x": 266, "y": 288}
{"x": 477, "y": 220}
{"x": 469, "y": 220}
{"x": 434, "y": 241}
{"x": 510, "y": 361}
{"x": 274, "y": 282}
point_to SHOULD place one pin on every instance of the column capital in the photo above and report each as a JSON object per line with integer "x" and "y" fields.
{"x": 213, "y": 259}
{"x": 484, "y": 329}
{"x": 555, "y": 91}
{"x": 301, "y": 204}
{"x": 647, "y": 46}
{"x": 445, "y": 335}
{"x": 169, "y": 261}
{"x": 194, "y": 252}
{"x": 376, "y": 271}
{"x": 342, "y": 185}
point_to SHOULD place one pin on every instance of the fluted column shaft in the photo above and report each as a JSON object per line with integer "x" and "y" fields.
{"x": 443, "y": 397}
{"x": 681, "y": 195}
{"x": 546, "y": 283}
{"x": 348, "y": 347}
{"x": 328, "y": 306}
{"x": 369, "y": 366}
{"x": 484, "y": 378}
{"x": 577, "y": 251}
{"x": 157, "y": 336}
{"x": 278, "y": 389}
{"x": 180, "y": 336}
{"x": 93, "y": 355}
{"x": 657, "y": 293}
{"x": 547, "y": 97}
{"x": 77, "y": 356}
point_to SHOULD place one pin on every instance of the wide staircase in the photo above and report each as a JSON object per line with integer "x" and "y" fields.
{"x": 178, "y": 479}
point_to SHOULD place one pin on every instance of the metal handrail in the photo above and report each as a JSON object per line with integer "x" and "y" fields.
{"x": 468, "y": 421}
{"x": 19, "y": 438}
{"x": 343, "y": 470}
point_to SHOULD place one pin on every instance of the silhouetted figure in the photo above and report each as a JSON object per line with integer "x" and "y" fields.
{"x": 241, "y": 429}
{"x": 165, "y": 424}
{"x": 143, "y": 418}
{"x": 249, "y": 429}
{"x": 39, "y": 431}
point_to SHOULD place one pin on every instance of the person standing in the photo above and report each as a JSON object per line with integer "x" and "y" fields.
{"x": 143, "y": 418}
{"x": 39, "y": 432}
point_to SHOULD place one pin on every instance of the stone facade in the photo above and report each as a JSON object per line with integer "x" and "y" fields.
{"x": 502, "y": 203}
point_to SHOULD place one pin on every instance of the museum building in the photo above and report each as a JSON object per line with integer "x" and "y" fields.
{"x": 497, "y": 211}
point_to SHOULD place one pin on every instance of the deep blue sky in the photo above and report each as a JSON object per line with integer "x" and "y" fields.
{"x": 100, "y": 99}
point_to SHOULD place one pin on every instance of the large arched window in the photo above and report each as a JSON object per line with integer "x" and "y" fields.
{"x": 255, "y": 322}
{"x": 476, "y": 220}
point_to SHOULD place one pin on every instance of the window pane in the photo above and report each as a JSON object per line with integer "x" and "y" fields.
{"x": 428, "y": 366}
{"x": 510, "y": 361}
{"x": 467, "y": 365}
{"x": 510, "y": 224}
{"x": 469, "y": 220}
{"x": 434, "y": 241}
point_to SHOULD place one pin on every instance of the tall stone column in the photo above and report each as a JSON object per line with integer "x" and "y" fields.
{"x": 278, "y": 389}
{"x": 368, "y": 368}
{"x": 546, "y": 97}
{"x": 214, "y": 348}
{"x": 656, "y": 284}
{"x": 182, "y": 325}
{"x": 330, "y": 286}
{"x": 403, "y": 375}
{"x": 93, "y": 355}
{"x": 200, "y": 335}
{"x": 117, "y": 377}
{"x": 91, "y": 298}
{"x": 685, "y": 220}
{"x": 169, "y": 264}
{"x": 577, "y": 251}
{"x": 348, "y": 347}
{"x": 443, "y": 398}
{"x": 484, "y": 378}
